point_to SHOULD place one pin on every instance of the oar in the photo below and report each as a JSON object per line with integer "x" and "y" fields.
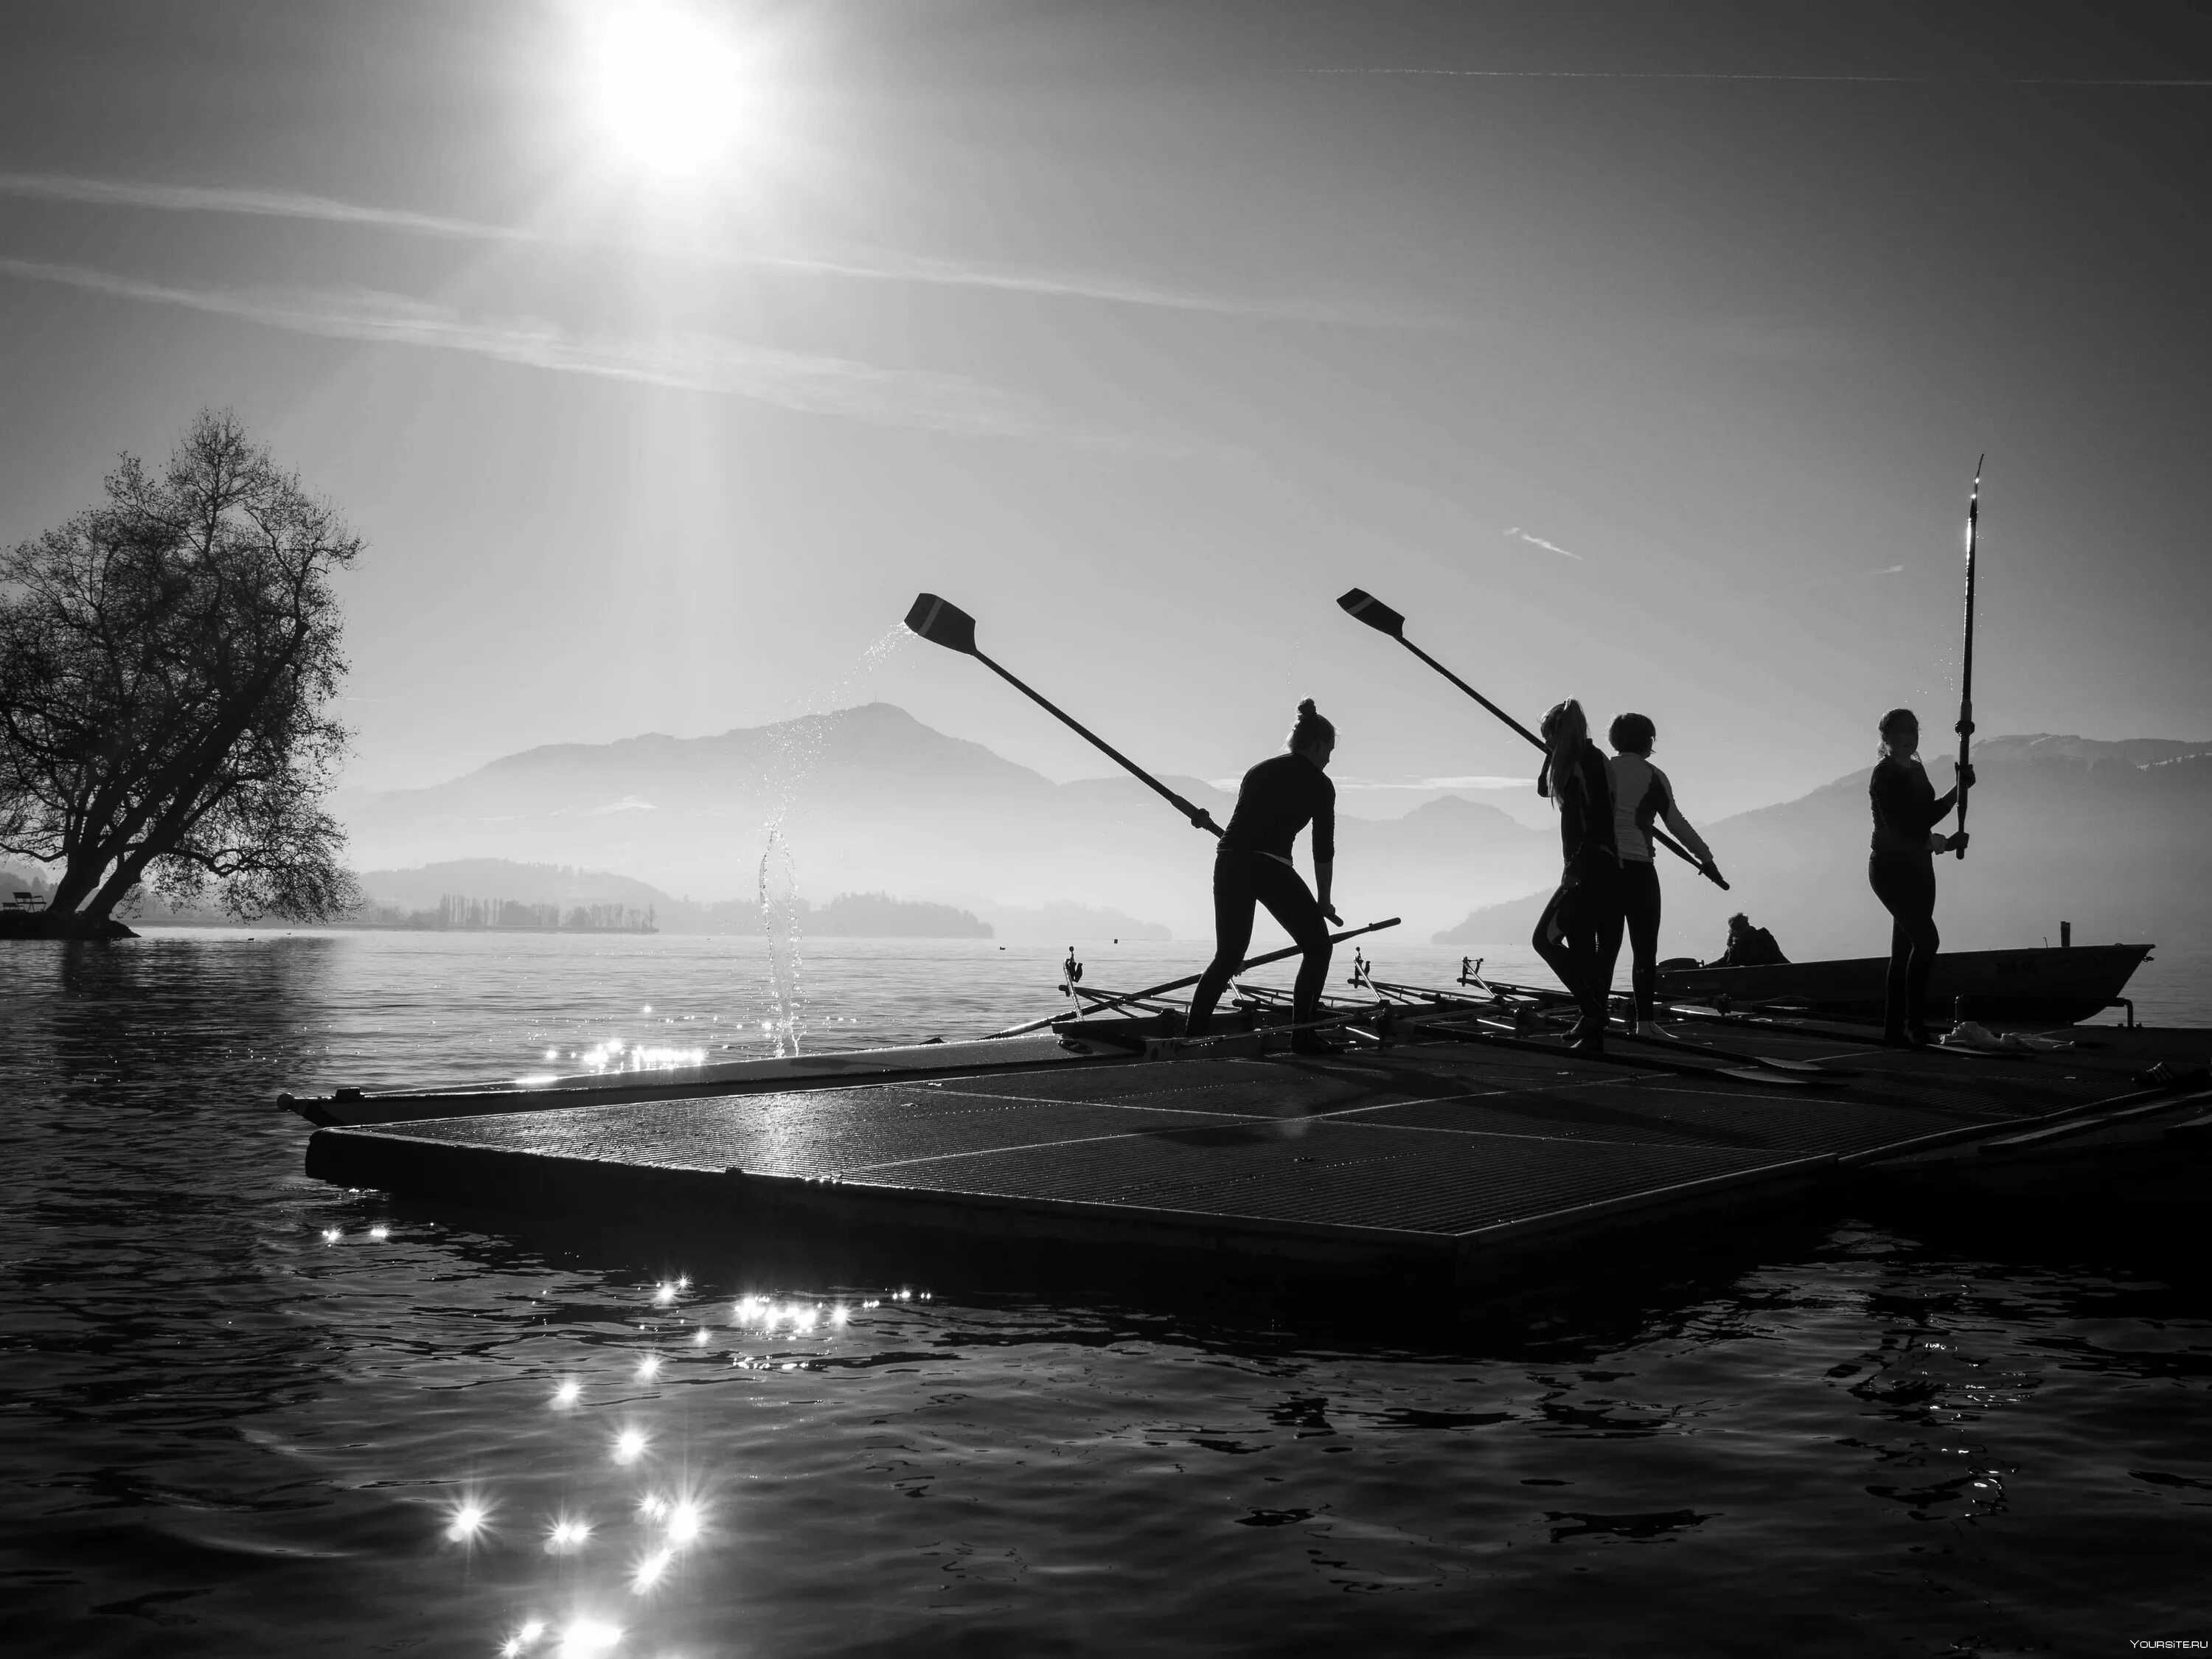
{"x": 1965, "y": 727}
{"x": 943, "y": 622}
{"x": 1192, "y": 979}
{"x": 1366, "y": 608}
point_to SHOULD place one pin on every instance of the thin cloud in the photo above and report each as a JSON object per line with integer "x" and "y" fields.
{"x": 1722, "y": 74}
{"x": 879, "y": 267}
{"x": 1521, "y": 535}
{"x": 687, "y": 361}
{"x": 254, "y": 203}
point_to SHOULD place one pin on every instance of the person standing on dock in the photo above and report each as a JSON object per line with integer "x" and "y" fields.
{"x": 1641, "y": 794}
{"x": 1277, "y": 798}
{"x": 1901, "y": 869}
{"x": 1569, "y": 934}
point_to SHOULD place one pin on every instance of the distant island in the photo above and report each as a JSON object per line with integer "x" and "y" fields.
{"x": 544, "y": 898}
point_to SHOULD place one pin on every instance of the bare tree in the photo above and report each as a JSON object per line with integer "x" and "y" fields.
{"x": 165, "y": 661}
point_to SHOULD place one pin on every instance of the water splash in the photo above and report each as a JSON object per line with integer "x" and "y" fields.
{"x": 779, "y": 902}
{"x": 798, "y": 748}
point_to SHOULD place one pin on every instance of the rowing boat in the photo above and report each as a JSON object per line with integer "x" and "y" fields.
{"x": 2061, "y": 987}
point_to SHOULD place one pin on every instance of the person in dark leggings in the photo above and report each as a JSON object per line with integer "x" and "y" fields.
{"x": 1569, "y": 934}
{"x": 1277, "y": 798}
{"x": 1901, "y": 870}
{"x": 1641, "y": 794}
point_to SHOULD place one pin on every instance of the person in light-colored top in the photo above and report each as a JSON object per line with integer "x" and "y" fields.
{"x": 1641, "y": 794}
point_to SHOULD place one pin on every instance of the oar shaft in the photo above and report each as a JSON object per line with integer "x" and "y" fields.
{"x": 1966, "y": 655}
{"x": 1665, "y": 840}
{"x": 1198, "y": 815}
{"x": 1532, "y": 739}
{"x": 1189, "y": 979}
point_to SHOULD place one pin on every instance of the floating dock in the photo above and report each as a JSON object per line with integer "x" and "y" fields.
{"x": 1463, "y": 1158}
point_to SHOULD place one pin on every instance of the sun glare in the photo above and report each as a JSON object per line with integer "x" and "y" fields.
{"x": 665, "y": 81}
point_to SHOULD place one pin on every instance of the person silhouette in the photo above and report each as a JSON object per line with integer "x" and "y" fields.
{"x": 1641, "y": 794}
{"x": 1277, "y": 798}
{"x": 1569, "y": 933}
{"x": 1901, "y": 870}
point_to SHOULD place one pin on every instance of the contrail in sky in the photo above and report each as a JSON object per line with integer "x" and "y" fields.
{"x": 688, "y": 362}
{"x": 887, "y": 267}
{"x": 1549, "y": 547}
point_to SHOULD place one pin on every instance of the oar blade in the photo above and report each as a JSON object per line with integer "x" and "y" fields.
{"x": 1363, "y": 606}
{"x": 943, "y": 622}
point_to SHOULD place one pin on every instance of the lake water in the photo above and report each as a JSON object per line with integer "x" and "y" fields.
{"x": 248, "y": 1413}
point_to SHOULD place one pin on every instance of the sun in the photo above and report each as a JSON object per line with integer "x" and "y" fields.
{"x": 665, "y": 83}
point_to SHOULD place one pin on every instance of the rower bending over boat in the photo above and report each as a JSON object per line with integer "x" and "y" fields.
{"x": 1568, "y": 933}
{"x": 1901, "y": 869}
{"x": 1641, "y": 792}
{"x": 1277, "y": 798}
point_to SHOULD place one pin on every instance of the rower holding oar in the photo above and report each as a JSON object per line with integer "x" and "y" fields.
{"x": 1641, "y": 795}
{"x": 1568, "y": 933}
{"x": 1277, "y": 799}
{"x": 1901, "y": 869}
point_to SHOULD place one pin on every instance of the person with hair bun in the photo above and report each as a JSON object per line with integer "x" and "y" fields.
{"x": 1641, "y": 794}
{"x": 1901, "y": 870}
{"x": 1277, "y": 798}
{"x": 1568, "y": 934}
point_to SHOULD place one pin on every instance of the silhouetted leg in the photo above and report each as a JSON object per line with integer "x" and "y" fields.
{"x": 1549, "y": 941}
{"x": 1292, "y": 902}
{"x": 1906, "y": 888}
{"x": 1611, "y": 921}
{"x": 1926, "y": 941}
{"x": 1586, "y": 913}
{"x": 1567, "y": 938}
{"x": 1232, "y": 935}
{"x": 1896, "y": 995}
{"x": 1639, "y": 906}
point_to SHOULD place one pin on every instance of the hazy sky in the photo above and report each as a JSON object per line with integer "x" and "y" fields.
{"x": 1641, "y": 353}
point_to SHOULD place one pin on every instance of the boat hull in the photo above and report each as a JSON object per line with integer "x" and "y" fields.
{"x": 2061, "y": 987}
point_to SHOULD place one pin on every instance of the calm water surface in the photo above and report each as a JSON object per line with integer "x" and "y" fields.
{"x": 248, "y": 1413}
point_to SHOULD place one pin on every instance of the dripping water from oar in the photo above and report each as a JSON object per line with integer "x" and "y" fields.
{"x": 795, "y": 750}
{"x": 1363, "y": 606}
{"x": 779, "y": 903}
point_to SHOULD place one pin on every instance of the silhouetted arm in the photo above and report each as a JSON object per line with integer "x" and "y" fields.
{"x": 1324, "y": 854}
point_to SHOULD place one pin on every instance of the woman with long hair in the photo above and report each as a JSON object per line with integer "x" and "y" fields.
{"x": 1901, "y": 870}
{"x": 1569, "y": 935}
{"x": 1641, "y": 794}
{"x": 1277, "y": 797}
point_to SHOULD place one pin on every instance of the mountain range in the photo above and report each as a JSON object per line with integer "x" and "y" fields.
{"x": 870, "y": 799}
{"x": 2110, "y": 835}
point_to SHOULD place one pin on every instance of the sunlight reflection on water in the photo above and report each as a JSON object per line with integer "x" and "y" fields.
{"x": 251, "y": 1414}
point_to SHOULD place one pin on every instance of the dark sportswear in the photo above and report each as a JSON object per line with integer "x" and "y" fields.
{"x": 1569, "y": 934}
{"x": 1240, "y": 880}
{"x": 1585, "y": 801}
{"x": 1277, "y": 797}
{"x": 1902, "y": 873}
{"x": 1906, "y": 888}
{"x": 1636, "y": 908}
{"x": 1906, "y": 807}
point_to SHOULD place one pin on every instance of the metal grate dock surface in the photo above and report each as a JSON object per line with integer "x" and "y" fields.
{"x": 1433, "y": 1149}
